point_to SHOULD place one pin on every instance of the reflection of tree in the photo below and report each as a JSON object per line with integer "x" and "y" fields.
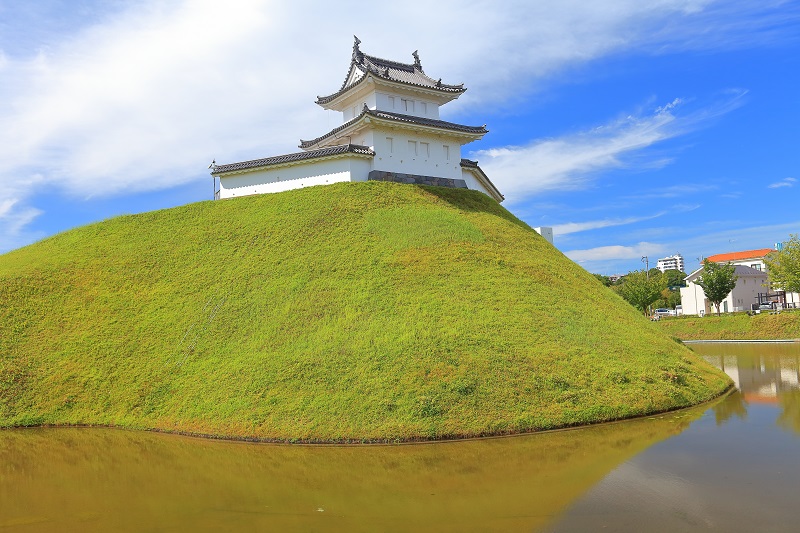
{"x": 733, "y": 405}
{"x": 789, "y": 418}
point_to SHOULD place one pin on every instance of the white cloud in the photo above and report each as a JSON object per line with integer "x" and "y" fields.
{"x": 14, "y": 219}
{"x": 616, "y": 252}
{"x": 785, "y": 182}
{"x": 143, "y": 96}
{"x": 675, "y": 191}
{"x": 571, "y": 161}
{"x": 574, "y": 227}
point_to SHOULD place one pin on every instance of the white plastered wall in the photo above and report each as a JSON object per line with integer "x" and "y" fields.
{"x": 354, "y": 109}
{"x": 399, "y": 156}
{"x": 285, "y": 178}
{"x": 418, "y": 107}
{"x": 693, "y": 297}
{"x": 472, "y": 182}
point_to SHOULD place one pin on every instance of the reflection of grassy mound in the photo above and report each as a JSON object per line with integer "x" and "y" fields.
{"x": 352, "y": 311}
{"x": 517, "y": 484}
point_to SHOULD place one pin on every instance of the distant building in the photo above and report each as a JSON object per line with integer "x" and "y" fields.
{"x": 749, "y": 284}
{"x": 751, "y": 289}
{"x": 545, "y": 232}
{"x": 390, "y": 131}
{"x": 755, "y": 259}
{"x": 673, "y": 262}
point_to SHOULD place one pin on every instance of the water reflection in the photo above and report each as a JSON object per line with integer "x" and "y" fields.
{"x": 733, "y": 465}
{"x": 763, "y": 374}
{"x": 737, "y": 468}
{"x": 104, "y": 480}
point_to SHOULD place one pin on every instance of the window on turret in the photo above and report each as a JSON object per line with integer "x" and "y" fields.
{"x": 423, "y": 108}
{"x": 390, "y": 144}
{"x": 407, "y": 105}
{"x": 412, "y": 147}
{"x": 446, "y": 152}
{"x": 391, "y": 102}
{"x": 425, "y": 149}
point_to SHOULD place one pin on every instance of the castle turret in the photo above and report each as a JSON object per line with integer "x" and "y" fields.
{"x": 390, "y": 131}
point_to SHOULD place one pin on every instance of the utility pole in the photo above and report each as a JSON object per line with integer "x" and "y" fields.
{"x": 646, "y": 262}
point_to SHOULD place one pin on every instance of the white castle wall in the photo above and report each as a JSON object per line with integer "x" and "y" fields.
{"x": 414, "y": 153}
{"x": 286, "y": 178}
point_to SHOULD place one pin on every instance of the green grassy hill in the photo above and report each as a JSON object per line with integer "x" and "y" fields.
{"x": 735, "y": 326}
{"x": 370, "y": 311}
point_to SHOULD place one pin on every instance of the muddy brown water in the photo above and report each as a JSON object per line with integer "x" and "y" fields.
{"x": 732, "y": 465}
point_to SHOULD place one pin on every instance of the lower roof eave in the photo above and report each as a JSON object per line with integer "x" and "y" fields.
{"x": 476, "y": 171}
{"x": 342, "y": 151}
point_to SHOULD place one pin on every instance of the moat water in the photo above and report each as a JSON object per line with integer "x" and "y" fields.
{"x": 732, "y": 465}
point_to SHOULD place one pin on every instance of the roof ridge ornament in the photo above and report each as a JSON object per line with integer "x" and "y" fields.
{"x": 417, "y": 63}
{"x": 357, "y": 55}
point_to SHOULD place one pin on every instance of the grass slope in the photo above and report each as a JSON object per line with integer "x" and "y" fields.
{"x": 737, "y": 326}
{"x": 370, "y": 311}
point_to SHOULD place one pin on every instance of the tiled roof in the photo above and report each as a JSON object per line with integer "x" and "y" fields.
{"x": 288, "y": 158}
{"x": 738, "y": 270}
{"x": 408, "y": 73}
{"x": 738, "y": 256}
{"x": 397, "y": 117}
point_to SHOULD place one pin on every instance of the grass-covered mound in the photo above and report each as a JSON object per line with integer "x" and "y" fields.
{"x": 736, "y": 326}
{"x": 371, "y": 311}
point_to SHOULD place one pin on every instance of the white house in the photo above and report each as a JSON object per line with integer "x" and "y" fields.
{"x": 391, "y": 131}
{"x": 749, "y": 284}
{"x": 755, "y": 259}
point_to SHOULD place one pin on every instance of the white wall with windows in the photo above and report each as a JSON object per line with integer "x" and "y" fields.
{"x": 411, "y": 153}
{"x": 750, "y": 282}
{"x": 355, "y": 109}
{"x": 407, "y": 105}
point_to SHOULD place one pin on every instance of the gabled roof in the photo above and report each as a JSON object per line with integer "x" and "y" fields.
{"x": 739, "y": 256}
{"x": 738, "y": 270}
{"x": 478, "y": 172}
{"x": 291, "y": 158}
{"x": 476, "y": 131}
{"x": 386, "y": 69}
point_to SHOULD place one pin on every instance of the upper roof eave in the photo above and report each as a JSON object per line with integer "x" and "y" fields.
{"x": 386, "y": 117}
{"x": 405, "y": 74}
{"x": 440, "y": 93}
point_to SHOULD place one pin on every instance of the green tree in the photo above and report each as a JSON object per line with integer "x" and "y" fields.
{"x": 640, "y": 288}
{"x": 671, "y": 295}
{"x": 783, "y": 266}
{"x": 717, "y": 281}
{"x": 669, "y": 298}
{"x": 605, "y": 280}
{"x": 675, "y": 278}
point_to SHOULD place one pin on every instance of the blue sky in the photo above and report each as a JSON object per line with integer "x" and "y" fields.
{"x": 632, "y": 128}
